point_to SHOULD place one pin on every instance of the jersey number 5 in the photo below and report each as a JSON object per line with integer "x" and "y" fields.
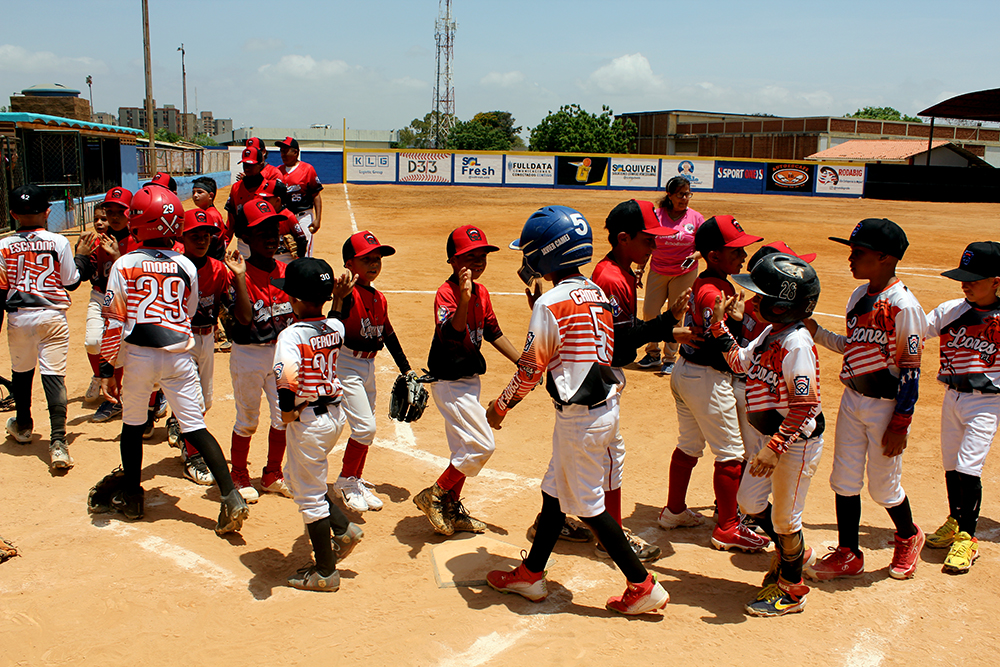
{"x": 600, "y": 335}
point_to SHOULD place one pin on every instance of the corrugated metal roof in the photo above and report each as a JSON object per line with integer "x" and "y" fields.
{"x": 877, "y": 150}
{"x": 59, "y": 121}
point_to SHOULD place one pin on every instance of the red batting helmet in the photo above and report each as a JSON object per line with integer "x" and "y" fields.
{"x": 156, "y": 213}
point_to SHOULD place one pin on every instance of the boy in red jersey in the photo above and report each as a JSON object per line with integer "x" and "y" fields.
{"x": 203, "y": 191}
{"x": 292, "y": 240}
{"x": 970, "y": 367}
{"x": 463, "y": 318}
{"x": 305, "y": 368}
{"x": 881, "y": 374}
{"x": 244, "y": 190}
{"x": 365, "y": 315}
{"x": 570, "y": 345}
{"x": 702, "y": 385}
{"x": 251, "y": 364}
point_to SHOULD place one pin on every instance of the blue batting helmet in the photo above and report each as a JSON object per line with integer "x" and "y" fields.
{"x": 554, "y": 238}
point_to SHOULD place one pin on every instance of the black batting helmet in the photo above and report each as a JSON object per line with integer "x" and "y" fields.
{"x": 788, "y": 285}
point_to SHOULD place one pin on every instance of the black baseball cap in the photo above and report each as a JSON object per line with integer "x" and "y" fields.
{"x": 307, "y": 278}
{"x": 878, "y": 234}
{"x": 980, "y": 260}
{"x": 28, "y": 200}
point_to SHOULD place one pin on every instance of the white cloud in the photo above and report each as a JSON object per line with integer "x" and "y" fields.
{"x": 628, "y": 74}
{"x": 269, "y": 44}
{"x": 15, "y": 59}
{"x": 304, "y": 67}
{"x": 409, "y": 82}
{"x": 502, "y": 79}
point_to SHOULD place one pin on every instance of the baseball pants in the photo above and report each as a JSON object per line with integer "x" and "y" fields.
{"x": 310, "y": 441}
{"x": 306, "y": 219}
{"x": 203, "y": 354}
{"x": 174, "y": 372}
{"x": 663, "y": 290}
{"x": 95, "y": 323}
{"x": 252, "y": 370}
{"x": 581, "y": 439}
{"x": 858, "y": 446}
{"x": 357, "y": 377}
{"x": 38, "y": 336}
{"x": 614, "y": 459}
{"x": 470, "y": 438}
{"x": 706, "y": 411}
{"x": 787, "y": 485}
{"x": 968, "y": 425}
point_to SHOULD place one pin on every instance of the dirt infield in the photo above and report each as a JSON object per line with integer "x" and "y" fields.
{"x": 167, "y": 591}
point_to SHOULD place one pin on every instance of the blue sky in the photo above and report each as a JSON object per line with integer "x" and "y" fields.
{"x": 295, "y": 63}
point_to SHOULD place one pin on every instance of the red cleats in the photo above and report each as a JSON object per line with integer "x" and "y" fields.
{"x": 740, "y": 537}
{"x": 905, "y": 555}
{"x": 840, "y": 562}
{"x": 640, "y": 598}
{"x": 530, "y": 585}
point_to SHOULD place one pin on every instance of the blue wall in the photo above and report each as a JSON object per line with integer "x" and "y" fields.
{"x": 329, "y": 165}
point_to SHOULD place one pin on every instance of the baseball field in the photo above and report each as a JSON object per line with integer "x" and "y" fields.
{"x": 167, "y": 591}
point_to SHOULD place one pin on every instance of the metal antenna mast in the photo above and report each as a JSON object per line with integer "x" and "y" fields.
{"x": 444, "y": 90}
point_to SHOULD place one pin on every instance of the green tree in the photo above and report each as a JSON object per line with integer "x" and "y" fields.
{"x": 487, "y": 131}
{"x": 574, "y": 130}
{"x": 420, "y": 133}
{"x": 163, "y": 134}
{"x": 204, "y": 140}
{"x": 883, "y": 113}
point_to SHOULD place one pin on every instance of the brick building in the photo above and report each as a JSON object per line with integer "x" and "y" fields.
{"x": 52, "y": 99}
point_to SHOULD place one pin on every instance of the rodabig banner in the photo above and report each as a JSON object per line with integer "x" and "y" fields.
{"x": 841, "y": 180}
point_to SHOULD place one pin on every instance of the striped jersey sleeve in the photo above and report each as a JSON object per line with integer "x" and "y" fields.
{"x": 305, "y": 359}
{"x": 970, "y": 345}
{"x": 36, "y": 265}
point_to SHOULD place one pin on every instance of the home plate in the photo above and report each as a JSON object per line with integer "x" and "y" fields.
{"x": 464, "y": 561}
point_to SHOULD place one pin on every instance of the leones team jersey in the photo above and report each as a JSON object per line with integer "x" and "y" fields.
{"x": 305, "y": 359}
{"x": 970, "y": 345}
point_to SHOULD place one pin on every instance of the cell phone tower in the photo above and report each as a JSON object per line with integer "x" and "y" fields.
{"x": 444, "y": 90}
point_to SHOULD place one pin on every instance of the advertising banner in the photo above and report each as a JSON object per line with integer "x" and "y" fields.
{"x": 530, "y": 170}
{"x": 371, "y": 167}
{"x": 701, "y": 173}
{"x": 629, "y": 172}
{"x": 840, "y": 180}
{"x": 582, "y": 170}
{"x": 479, "y": 169}
{"x": 744, "y": 177}
{"x": 790, "y": 177}
{"x": 425, "y": 167}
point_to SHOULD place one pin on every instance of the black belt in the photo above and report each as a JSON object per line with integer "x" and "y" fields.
{"x": 321, "y": 406}
{"x": 559, "y": 406}
{"x": 973, "y": 391}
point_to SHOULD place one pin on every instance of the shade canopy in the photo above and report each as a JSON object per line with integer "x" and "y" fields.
{"x": 981, "y": 105}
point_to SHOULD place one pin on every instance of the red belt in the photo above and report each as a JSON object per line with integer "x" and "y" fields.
{"x": 203, "y": 331}
{"x": 362, "y": 355}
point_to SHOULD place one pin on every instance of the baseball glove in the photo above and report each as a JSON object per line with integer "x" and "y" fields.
{"x": 408, "y": 399}
{"x": 7, "y": 550}
{"x": 99, "y": 499}
{"x": 6, "y": 395}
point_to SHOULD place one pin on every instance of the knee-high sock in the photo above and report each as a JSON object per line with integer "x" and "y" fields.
{"x": 849, "y": 522}
{"x": 275, "y": 449}
{"x": 338, "y": 520}
{"x": 22, "y": 397}
{"x": 130, "y": 446}
{"x": 353, "y": 455}
{"x": 240, "y": 451}
{"x": 95, "y": 364}
{"x": 361, "y": 464}
{"x": 548, "y": 526}
{"x": 681, "y": 466}
{"x": 727, "y": 484}
{"x": 613, "y": 504}
{"x": 55, "y": 397}
{"x": 791, "y": 548}
{"x": 208, "y": 447}
{"x": 902, "y": 517}
{"x": 972, "y": 498}
{"x": 611, "y": 536}
{"x": 953, "y": 482}
{"x": 451, "y": 478}
{"x": 319, "y": 535}
{"x": 765, "y": 523}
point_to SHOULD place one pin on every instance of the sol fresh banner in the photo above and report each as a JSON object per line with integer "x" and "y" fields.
{"x": 478, "y": 169}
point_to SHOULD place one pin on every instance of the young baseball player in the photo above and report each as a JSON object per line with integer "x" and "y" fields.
{"x": 37, "y": 271}
{"x": 702, "y": 385}
{"x": 305, "y": 368}
{"x": 463, "y": 319}
{"x": 251, "y": 364}
{"x": 784, "y": 413}
{"x": 632, "y": 232}
{"x": 292, "y": 240}
{"x": 152, "y": 295}
{"x": 244, "y": 190}
{"x": 570, "y": 344}
{"x": 881, "y": 374}
{"x": 268, "y": 171}
{"x": 970, "y": 367}
{"x": 203, "y": 191}
{"x": 217, "y": 283}
{"x": 365, "y": 315}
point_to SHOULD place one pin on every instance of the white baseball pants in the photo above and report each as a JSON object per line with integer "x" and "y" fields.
{"x": 252, "y": 370}
{"x": 968, "y": 425}
{"x": 174, "y": 372}
{"x": 706, "y": 411}
{"x": 357, "y": 377}
{"x": 203, "y": 354}
{"x": 787, "y": 485}
{"x": 469, "y": 435}
{"x": 310, "y": 441}
{"x": 38, "y": 336}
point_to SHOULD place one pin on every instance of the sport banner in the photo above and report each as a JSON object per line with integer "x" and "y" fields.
{"x": 627, "y": 172}
{"x": 425, "y": 167}
{"x": 582, "y": 170}
{"x": 371, "y": 167}
{"x": 790, "y": 177}
{"x": 478, "y": 169}
{"x": 530, "y": 170}
{"x": 742, "y": 177}
{"x": 701, "y": 173}
{"x": 841, "y": 180}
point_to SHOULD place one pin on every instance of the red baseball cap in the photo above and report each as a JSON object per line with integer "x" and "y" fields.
{"x": 288, "y": 142}
{"x": 722, "y": 231}
{"x": 651, "y": 224}
{"x": 363, "y": 243}
{"x": 252, "y": 155}
{"x": 164, "y": 181}
{"x": 118, "y": 196}
{"x": 196, "y": 218}
{"x": 258, "y": 211}
{"x": 781, "y": 246}
{"x": 467, "y": 238}
{"x": 254, "y": 142}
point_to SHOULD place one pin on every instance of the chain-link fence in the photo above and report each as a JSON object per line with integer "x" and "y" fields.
{"x": 181, "y": 162}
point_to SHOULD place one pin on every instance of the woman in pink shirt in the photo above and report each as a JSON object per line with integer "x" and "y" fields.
{"x": 667, "y": 278}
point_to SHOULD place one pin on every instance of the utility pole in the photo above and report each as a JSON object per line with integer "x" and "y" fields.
{"x": 90, "y": 81}
{"x": 184, "y": 126}
{"x": 151, "y": 155}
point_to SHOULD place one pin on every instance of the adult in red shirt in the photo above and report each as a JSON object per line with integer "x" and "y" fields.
{"x": 303, "y": 188}
{"x": 269, "y": 171}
